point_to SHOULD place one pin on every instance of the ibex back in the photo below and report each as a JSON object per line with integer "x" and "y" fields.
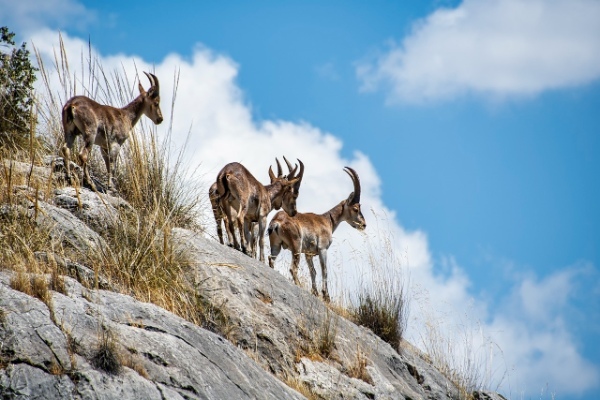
{"x": 106, "y": 126}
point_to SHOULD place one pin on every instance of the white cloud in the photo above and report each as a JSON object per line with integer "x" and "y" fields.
{"x": 533, "y": 323}
{"x": 223, "y": 130}
{"x": 495, "y": 48}
{"x": 25, "y": 16}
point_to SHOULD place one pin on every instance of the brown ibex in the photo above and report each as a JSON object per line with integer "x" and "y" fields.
{"x": 311, "y": 234}
{"x": 243, "y": 200}
{"x": 106, "y": 126}
{"x": 220, "y": 216}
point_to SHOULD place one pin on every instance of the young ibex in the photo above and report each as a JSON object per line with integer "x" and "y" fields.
{"x": 311, "y": 234}
{"x": 106, "y": 126}
{"x": 243, "y": 200}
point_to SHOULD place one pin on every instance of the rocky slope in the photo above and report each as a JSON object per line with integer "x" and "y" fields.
{"x": 50, "y": 349}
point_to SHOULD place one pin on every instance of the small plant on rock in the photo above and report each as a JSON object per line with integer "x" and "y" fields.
{"x": 106, "y": 355}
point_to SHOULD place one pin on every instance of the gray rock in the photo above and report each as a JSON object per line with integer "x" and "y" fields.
{"x": 269, "y": 316}
{"x": 48, "y": 350}
{"x": 97, "y": 210}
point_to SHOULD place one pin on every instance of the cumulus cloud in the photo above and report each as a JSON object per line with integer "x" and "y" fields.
{"x": 496, "y": 48}
{"x": 26, "y": 16}
{"x": 214, "y": 121}
{"x": 534, "y": 324}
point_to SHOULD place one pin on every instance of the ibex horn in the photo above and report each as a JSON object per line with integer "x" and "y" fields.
{"x": 153, "y": 83}
{"x": 271, "y": 174}
{"x": 301, "y": 174}
{"x": 279, "y": 170}
{"x": 356, "y": 181}
{"x": 292, "y": 171}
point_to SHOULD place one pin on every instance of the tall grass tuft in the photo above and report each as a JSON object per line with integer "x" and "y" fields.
{"x": 382, "y": 313}
{"x": 381, "y": 302}
{"x": 106, "y": 356}
{"x": 462, "y": 352}
{"x": 142, "y": 258}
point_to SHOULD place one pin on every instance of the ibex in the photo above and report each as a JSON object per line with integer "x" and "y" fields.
{"x": 220, "y": 216}
{"x": 106, "y": 126}
{"x": 243, "y": 200}
{"x": 311, "y": 234}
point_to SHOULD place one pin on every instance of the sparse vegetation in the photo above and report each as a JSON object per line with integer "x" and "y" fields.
{"x": 135, "y": 362}
{"x": 358, "y": 368}
{"x": 382, "y": 314}
{"x": 141, "y": 258}
{"x": 211, "y": 315}
{"x": 318, "y": 335}
{"x": 466, "y": 361}
{"x": 301, "y": 387}
{"x": 382, "y": 304}
{"x": 106, "y": 355}
{"x": 32, "y": 284}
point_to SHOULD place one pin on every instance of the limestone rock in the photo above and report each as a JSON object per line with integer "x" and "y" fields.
{"x": 46, "y": 351}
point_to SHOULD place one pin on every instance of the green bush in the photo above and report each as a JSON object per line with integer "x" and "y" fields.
{"x": 17, "y": 76}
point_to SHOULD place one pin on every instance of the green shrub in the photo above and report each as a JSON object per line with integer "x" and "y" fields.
{"x": 17, "y": 76}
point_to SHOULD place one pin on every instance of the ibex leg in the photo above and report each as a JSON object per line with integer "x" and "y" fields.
{"x": 66, "y": 153}
{"x": 313, "y": 273}
{"x": 261, "y": 238}
{"x": 110, "y": 160}
{"x": 84, "y": 156}
{"x": 294, "y": 268}
{"x": 323, "y": 261}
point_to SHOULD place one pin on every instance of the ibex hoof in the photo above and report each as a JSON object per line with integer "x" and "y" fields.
{"x": 326, "y": 298}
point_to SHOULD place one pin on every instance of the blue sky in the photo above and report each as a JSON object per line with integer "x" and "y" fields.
{"x": 477, "y": 124}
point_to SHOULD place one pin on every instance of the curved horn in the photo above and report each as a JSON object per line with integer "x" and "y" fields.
{"x": 149, "y": 78}
{"x": 292, "y": 172}
{"x": 279, "y": 170}
{"x": 356, "y": 181}
{"x": 301, "y": 174}
{"x": 271, "y": 174}
{"x": 153, "y": 83}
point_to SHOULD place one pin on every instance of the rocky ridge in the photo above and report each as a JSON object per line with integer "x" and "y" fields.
{"x": 48, "y": 350}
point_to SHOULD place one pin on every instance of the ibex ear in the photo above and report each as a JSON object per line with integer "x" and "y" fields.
{"x": 350, "y": 198}
{"x": 142, "y": 91}
{"x": 271, "y": 175}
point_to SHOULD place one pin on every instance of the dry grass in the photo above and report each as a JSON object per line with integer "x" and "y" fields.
{"x": 20, "y": 235}
{"x": 135, "y": 362}
{"x": 211, "y": 315}
{"x": 382, "y": 314}
{"x": 358, "y": 368}
{"x": 142, "y": 259}
{"x": 459, "y": 354}
{"x": 381, "y": 302}
{"x": 33, "y": 285}
{"x": 300, "y": 387}
{"x": 106, "y": 356}
{"x": 318, "y": 335}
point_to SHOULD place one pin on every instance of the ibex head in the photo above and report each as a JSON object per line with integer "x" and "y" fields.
{"x": 151, "y": 99}
{"x": 352, "y": 207}
{"x": 290, "y": 187}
